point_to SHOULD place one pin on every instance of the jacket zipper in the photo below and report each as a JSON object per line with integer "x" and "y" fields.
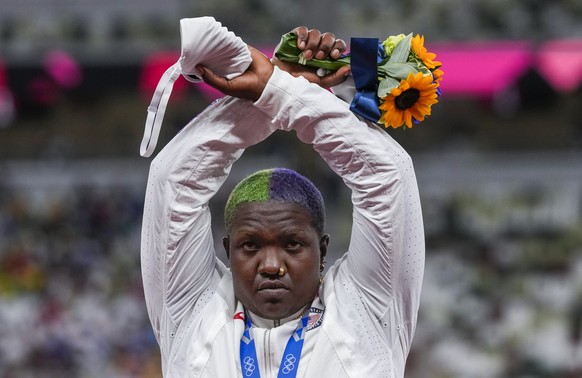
{"x": 267, "y": 352}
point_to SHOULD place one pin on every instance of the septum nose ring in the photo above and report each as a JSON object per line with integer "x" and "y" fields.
{"x": 281, "y": 272}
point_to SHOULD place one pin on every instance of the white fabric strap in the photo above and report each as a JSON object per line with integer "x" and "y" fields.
{"x": 157, "y": 109}
{"x": 204, "y": 41}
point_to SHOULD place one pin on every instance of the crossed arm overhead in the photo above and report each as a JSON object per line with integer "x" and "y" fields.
{"x": 252, "y": 83}
{"x": 386, "y": 253}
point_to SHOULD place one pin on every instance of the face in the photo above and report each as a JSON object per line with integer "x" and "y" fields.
{"x": 265, "y": 237}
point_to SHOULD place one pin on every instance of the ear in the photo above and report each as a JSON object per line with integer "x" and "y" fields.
{"x": 323, "y": 243}
{"x": 226, "y": 245}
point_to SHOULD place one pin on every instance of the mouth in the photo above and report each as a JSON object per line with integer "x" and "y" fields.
{"x": 272, "y": 287}
{"x": 272, "y": 293}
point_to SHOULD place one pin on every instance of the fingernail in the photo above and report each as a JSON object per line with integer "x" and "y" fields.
{"x": 301, "y": 45}
{"x": 335, "y": 52}
{"x": 320, "y": 55}
{"x": 307, "y": 54}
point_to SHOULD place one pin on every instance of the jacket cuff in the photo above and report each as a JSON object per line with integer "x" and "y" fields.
{"x": 278, "y": 97}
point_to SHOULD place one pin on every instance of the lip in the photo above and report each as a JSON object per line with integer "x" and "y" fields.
{"x": 272, "y": 294}
{"x": 272, "y": 286}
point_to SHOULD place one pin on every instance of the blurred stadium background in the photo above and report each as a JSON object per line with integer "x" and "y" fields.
{"x": 499, "y": 166}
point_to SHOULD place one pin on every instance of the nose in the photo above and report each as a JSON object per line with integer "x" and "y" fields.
{"x": 271, "y": 261}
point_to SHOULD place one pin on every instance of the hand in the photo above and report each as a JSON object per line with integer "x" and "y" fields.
{"x": 249, "y": 85}
{"x": 314, "y": 44}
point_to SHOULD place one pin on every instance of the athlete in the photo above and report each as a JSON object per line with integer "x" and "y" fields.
{"x": 271, "y": 312}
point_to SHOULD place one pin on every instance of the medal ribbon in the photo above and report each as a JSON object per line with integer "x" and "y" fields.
{"x": 290, "y": 360}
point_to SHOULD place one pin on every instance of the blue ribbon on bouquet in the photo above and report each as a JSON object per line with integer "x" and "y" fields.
{"x": 365, "y": 54}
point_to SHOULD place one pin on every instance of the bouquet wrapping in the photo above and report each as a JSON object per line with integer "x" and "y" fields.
{"x": 396, "y": 81}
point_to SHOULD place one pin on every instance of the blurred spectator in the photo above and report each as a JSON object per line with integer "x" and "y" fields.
{"x": 70, "y": 290}
{"x": 501, "y": 293}
{"x": 6, "y": 100}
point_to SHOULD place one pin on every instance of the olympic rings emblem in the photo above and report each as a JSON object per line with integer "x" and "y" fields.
{"x": 289, "y": 364}
{"x": 249, "y": 366}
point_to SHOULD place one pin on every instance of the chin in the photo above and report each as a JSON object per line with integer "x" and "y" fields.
{"x": 273, "y": 311}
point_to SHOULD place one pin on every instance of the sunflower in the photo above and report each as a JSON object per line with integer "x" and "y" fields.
{"x": 437, "y": 75}
{"x": 412, "y": 99}
{"x": 417, "y": 47}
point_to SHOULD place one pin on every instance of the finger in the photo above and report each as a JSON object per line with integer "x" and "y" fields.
{"x": 313, "y": 40}
{"x": 242, "y": 86}
{"x": 338, "y": 49}
{"x": 211, "y": 78}
{"x": 302, "y": 34}
{"x": 335, "y": 78}
{"x": 326, "y": 43}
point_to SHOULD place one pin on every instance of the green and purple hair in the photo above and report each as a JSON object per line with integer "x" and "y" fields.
{"x": 277, "y": 184}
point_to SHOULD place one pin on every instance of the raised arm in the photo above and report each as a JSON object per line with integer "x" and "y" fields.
{"x": 386, "y": 253}
{"x": 385, "y": 260}
{"x": 178, "y": 259}
{"x": 177, "y": 253}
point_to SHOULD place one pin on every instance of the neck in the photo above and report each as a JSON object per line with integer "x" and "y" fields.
{"x": 272, "y": 323}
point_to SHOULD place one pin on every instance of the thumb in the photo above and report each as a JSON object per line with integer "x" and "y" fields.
{"x": 212, "y": 79}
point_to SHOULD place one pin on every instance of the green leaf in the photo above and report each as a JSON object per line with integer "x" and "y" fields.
{"x": 418, "y": 66}
{"x": 401, "y": 51}
{"x": 332, "y": 65}
{"x": 397, "y": 70}
{"x": 287, "y": 51}
{"x": 386, "y": 85}
{"x": 287, "y": 48}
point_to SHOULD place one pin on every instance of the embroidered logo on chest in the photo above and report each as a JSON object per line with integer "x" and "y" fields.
{"x": 315, "y": 318}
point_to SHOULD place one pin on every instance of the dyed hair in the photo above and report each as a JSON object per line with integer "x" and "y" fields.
{"x": 277, "y": 184}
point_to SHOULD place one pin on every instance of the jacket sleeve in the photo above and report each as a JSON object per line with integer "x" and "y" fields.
{"x": 385, "y": 259}
{"x": 177, "y": 248}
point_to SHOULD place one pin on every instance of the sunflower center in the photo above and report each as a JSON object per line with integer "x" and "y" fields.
{"x": 407, "y": 99}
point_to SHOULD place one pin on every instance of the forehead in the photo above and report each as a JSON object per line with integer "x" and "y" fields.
{"x": 273, "y": 216}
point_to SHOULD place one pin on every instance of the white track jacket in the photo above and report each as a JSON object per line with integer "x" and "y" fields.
{"x": 370, "y": 297}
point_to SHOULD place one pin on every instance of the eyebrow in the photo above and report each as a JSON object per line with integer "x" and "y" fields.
{"x": 290, "y": 231}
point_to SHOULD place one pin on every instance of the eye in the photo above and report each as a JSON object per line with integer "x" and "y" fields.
{"x": 293, "y": 245}
{"x": 249, "y": 245}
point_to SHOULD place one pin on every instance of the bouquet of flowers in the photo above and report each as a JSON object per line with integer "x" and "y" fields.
{"x": 397, "y": 80}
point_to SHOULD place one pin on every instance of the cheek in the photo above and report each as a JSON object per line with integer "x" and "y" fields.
{"x": 306, "y": 268}
{"x": 242, "y": 270}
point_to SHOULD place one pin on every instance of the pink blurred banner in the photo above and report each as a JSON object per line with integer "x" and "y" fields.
{"x": 560, "y": 62}
{"x": 482, "y": 69}
{"x": 472, "y": 68}
{"x": 63, "y": 69}
{"x": 152, "y": 70}
{"x": 3, "y": 76}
